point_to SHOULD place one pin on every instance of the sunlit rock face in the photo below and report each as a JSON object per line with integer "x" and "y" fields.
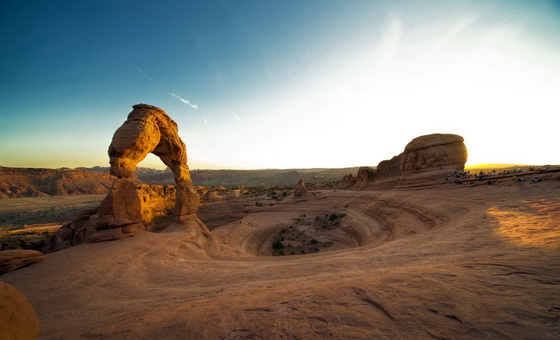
{"x": 129, "y": 206}
{"x": 430, "y": 152}
{"x": 433, "y": 152}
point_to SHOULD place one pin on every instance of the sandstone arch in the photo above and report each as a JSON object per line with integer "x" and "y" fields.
{"x": 149, "y": 129}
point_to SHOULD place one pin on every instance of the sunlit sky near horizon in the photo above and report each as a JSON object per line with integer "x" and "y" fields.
{"x": 280, "y": 84}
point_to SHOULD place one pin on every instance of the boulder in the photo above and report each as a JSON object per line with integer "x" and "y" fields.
{"x": 17, "y": 258}
{"x": 17, "y": 317}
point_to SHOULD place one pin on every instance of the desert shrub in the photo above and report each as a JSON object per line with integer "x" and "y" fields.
{"x": 277, "y": 244}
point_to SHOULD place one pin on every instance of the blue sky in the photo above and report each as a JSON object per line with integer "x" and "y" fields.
{"x": 280, "y": 84}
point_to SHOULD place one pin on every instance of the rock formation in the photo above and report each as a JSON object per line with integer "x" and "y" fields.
{"x": 17, "y": 258}
{"x": 365, "y": 176}
{"x": 425, "y": 154}
{"x": 123, "y": 212}
{"x": 300, "y": 189}
{"x": 17, "y": 317}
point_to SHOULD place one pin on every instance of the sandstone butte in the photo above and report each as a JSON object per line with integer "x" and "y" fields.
{"x": 412, "y": 258}
{"x": 430, "y": 156}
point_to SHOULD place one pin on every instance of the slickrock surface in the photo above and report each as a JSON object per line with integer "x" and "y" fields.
{"x": 18, "y": 320}
{"x": 444, "y": 262}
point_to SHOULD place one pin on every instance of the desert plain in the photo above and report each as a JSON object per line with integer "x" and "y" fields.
{"x": 434, "y": 261}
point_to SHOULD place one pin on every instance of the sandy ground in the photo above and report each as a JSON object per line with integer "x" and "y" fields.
{"x": 446, "y": 262}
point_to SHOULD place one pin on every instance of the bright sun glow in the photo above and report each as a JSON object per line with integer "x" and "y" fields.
{"x": 404, "y": 84}
{"x": 533, "y": 224}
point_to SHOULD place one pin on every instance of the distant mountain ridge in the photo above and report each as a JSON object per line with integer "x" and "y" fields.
{"x": 234, "y": 178}
{"x": 33, "y": 182}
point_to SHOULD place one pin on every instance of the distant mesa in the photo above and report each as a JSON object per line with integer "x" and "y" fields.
{"x": 421, "y": 157}
{"x": 300, "y": 189}
{"x": 124, "y": 210}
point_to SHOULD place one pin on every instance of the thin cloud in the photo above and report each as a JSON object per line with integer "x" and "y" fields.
{"x": 236, "y": 117}
{"x": 186, "y": 102}
{"x": 142, "y": 73}
{"x": 205, "y": 121}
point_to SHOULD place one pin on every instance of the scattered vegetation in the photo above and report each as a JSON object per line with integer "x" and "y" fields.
{"x": 299, "y": 238}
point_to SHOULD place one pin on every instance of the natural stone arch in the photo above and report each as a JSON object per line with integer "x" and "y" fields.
{"x": 149, "y": 129}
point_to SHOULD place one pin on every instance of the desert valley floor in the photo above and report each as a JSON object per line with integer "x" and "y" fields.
{"x": 442, "y": 262}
